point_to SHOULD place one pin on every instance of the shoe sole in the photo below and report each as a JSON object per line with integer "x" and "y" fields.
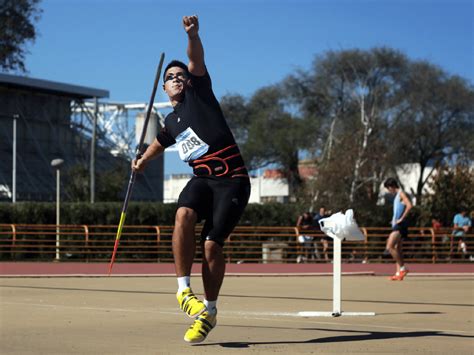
{"x": 398, "y": 279}
{"x": 194, "y": 341}
{"x": 190, "y": 341}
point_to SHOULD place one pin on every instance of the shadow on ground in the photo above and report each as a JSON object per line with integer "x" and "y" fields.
{"x": 355, "y": 336}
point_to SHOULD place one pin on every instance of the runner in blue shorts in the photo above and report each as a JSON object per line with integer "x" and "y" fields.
{"x": 401, "y": 207}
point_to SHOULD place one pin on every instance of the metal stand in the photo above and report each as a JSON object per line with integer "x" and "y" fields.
{"x": 336, "y": 302}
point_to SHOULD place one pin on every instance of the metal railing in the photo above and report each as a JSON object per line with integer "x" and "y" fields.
{"x": 246, "y": 244}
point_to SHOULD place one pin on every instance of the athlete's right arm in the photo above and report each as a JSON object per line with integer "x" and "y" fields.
{"x": 195, "y": 49}
{"x": 152, "y": 152}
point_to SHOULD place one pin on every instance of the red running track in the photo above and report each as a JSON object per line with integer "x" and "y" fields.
{"x": 150, "y": 269}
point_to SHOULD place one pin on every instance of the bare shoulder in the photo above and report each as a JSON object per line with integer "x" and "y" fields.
{"x": 404, "y": 197}
{"x": 403, "y": 194}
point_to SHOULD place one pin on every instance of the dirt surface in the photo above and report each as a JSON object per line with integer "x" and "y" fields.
{"x": 258, "y": 315}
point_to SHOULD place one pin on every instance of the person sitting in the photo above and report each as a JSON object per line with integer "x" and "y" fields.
{"x": 461, "y": 226}
{"x": 304, "y": 225}
{"x": 324, "y": 239}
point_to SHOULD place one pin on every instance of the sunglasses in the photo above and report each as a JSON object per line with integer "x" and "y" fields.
{"x": 178, "y": 76}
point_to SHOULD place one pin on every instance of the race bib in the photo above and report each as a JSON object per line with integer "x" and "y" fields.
{"x": 190, "y": 146}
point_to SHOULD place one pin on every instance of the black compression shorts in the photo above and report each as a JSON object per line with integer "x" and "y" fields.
{"x": 219, "y": 200}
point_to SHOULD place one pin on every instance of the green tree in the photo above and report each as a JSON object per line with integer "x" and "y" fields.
{"x": 268, "y": 133}
{"x": 238, "y": 116}
{"x": 360, "y": 115}
{"x": 76, "y": 183}
{"x": 437, "y": 125}
{"x": 452, "y": 188}
{"x": 110, "y": 184}
{"x": 17, "y": 18}
{"x": 352, "y": 96}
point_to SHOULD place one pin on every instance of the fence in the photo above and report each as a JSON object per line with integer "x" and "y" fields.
{"x": 247, "y": 244}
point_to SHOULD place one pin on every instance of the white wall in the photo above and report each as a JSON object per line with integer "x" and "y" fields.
{"x": 265, "y": 189}
{"x": 262, "y": 189}
{"x": 173, "y": 185}
{"x": 408, "y": 175}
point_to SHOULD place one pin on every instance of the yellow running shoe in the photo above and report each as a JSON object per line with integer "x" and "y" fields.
{"x": 201, "y": 327}
{"x": 189, "y": 303}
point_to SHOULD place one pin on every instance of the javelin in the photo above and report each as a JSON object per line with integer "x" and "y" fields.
{"x": 137, "y": 156}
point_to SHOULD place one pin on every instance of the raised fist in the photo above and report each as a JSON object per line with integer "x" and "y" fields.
{"x": 191, "y": 25}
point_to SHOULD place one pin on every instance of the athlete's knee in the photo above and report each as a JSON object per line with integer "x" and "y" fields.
{"x": 391, "y": 244}
{"x": 212, "y": 249}
{"x": 185, "y": 215}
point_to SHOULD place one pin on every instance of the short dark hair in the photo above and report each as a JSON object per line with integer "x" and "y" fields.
{"x": 391, "y": 182}
{"x": 176, "y": 63}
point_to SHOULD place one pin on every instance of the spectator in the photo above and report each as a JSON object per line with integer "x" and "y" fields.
{"x": 438, "y": 232}
{"x": 401, "y": 207}
{"x": 305, "y": 225}
{"x": 324, "y": 239}
{"x": 461, "y": 225}
{"x": 436, "y": 224}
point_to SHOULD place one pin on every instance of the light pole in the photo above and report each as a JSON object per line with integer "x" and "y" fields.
{"x": 57, "y": 163}
{"x": 15, "y": 117}
{"x": 93, "y": 146}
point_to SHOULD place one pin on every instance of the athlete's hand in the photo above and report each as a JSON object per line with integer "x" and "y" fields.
{"x": 191, "y": 25}
{"x": 138, "y": 165}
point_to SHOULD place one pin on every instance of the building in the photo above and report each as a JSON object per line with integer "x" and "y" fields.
{"x": 37, "y": 126}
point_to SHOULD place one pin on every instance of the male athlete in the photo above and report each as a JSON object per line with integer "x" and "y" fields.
{"x": 401, "y": 207}
{"x": 219, "y": 189}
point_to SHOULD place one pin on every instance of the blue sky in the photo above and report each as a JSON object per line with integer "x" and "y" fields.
{"x": 115, "y": 44}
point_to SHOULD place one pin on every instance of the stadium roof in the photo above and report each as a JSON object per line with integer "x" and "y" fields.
{"x": 53, "y": 87}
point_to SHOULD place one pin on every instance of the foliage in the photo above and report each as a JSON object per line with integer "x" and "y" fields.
{"x": 268, "y": 134}
{"x": 271, "y": 214}
{"x": 17, "y": 18}
{"x": 438, "y": 119}
{"x": 76, "y": 183}
{"x": 238, "y": 116}
{"x": 109, "y": 184}
{"x": 452, "y": 190}
{"x": 147, "y": 213}
{"x": 352, "y": 94}
{"x": 372, "y": 111}
{"x": 100, "y": 213}
{"x": 358, "y": 115}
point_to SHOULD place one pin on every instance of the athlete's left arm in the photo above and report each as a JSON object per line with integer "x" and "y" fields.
{"x": 408, "y": 206}
{"x": 195, "y": 49}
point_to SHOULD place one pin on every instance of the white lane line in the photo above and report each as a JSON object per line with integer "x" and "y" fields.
{"x": 266, "y": 316}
